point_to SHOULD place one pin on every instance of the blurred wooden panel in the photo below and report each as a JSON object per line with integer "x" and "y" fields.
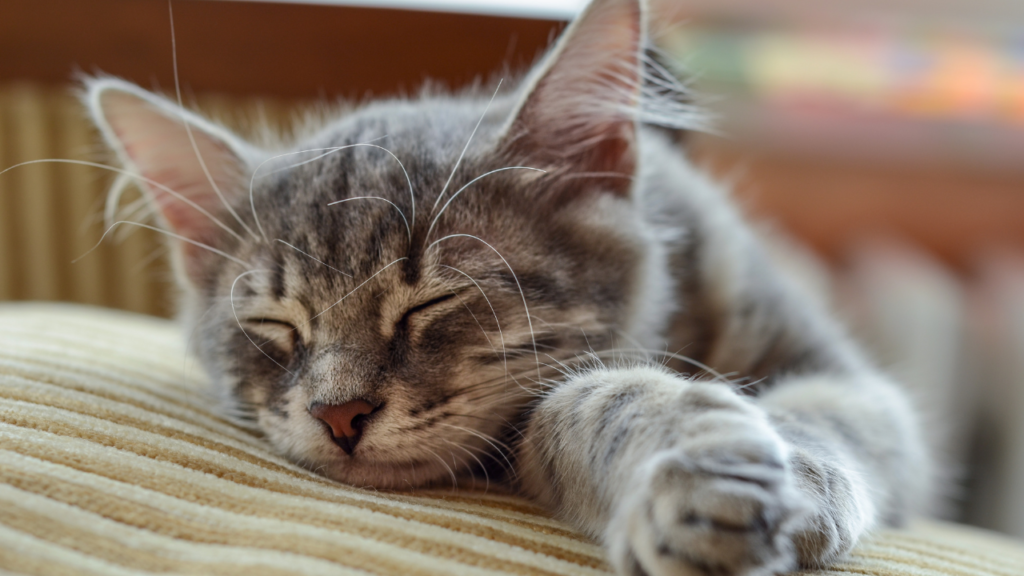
{"x": 80, "y": 190}
{"x": 953, "y": 211}
{"x": 35, "y": 216}
{"x": 258, "y": 47}
{"x": 7, "y": 253}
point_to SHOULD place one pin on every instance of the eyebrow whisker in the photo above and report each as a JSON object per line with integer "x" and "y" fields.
{"x": 314, "y": 258}
{"x": 231, "y": 296}
{"x": 402, "y": 214}
{"x": 470, "y": 183}
{"x": 324, "y": 311}
{"x": 473, "y": 133}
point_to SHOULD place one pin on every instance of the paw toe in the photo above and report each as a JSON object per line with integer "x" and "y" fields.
{"x": 695, "y": 520}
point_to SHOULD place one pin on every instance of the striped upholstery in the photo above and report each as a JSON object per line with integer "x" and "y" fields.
{"x": 112, "y": 461}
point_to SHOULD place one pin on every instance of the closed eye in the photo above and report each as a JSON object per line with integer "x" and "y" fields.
{"x": 272, "y": 322}
{"x": 279, "y": 330}
{"x": 421, "y": 307}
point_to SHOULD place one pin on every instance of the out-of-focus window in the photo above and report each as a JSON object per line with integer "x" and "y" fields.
{"x": 938, "y": 80}
{"x": 549, "y": 9}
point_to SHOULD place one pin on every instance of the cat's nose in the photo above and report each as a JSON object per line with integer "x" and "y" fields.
{"x": 345, "y": 421}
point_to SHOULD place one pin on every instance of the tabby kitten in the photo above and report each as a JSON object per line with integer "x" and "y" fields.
{"x": 427, "y": 289}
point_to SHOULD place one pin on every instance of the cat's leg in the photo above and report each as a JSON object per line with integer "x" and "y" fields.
{"x": 680, "y": 477}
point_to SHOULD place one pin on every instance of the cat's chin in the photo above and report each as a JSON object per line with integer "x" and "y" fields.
{"x": 383, "y": 475}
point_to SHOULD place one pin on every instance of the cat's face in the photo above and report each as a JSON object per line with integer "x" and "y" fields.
{"x": 442, "y": 333}
{"x": 385, "y": 299}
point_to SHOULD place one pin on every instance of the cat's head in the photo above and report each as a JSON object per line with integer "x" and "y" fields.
{"x": 385, "y": 296}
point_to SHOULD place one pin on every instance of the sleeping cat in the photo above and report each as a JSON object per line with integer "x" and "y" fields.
{"x": 431, "y": 289}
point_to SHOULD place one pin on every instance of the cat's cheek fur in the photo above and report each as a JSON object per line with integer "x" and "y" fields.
{"x": 391, "y": 455}
{"x": 294, "y": 432}
{"x": 652, "y": 299}
{"x": 654, "y": 302}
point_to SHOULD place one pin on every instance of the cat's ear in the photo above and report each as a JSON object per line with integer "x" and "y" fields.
{"x": 189, "y": 177}
{"x": 579, "y": 112}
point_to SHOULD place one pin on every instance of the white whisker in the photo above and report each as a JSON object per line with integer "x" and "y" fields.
{"x": 315, "y": 259}
{"x": 485, "y": 438}
{"x": 331, "y": 150}
{"x": 475, "y": 319}
{"x": 471, "y": 182}
{"x": 483, "y": 468}
{"x": 514, "y": 277}
{"x": 231, "y": 295}
{"x": 455, "y": 482}
{"x": 129, "y": 174}
{"x": 648, "y": 352}
{"x": 501, "y": 336}
{"x": 188, "y": 129}
{"x": 473, "y": 133}
{"x": 162, "y": 231}
{"x": 326, "y": 152}
{"x": 356, "y": 288}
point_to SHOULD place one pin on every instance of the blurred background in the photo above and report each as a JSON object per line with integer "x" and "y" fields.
{"x": 879, "y": 143}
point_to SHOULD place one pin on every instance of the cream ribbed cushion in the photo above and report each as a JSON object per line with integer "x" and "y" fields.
{"x": 112, "y": 461}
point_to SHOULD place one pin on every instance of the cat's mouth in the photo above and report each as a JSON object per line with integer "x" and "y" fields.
{"x": 373, "y": 460}
{"x": 363, "y": 462}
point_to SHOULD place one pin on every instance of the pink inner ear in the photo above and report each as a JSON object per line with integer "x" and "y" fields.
{"x": 615, "y": 153}
{"x": 152, "y": 134}
{"x": 154, "y": 138}
{"x": 581, "y": 114}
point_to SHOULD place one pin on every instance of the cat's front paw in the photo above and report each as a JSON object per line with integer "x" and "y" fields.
{"x": 722, "y": 513}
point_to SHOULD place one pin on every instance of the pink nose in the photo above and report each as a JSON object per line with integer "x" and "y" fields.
{"x": 344, "y": 420}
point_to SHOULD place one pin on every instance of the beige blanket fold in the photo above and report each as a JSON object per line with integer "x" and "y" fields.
{"x": 113, "y": 460}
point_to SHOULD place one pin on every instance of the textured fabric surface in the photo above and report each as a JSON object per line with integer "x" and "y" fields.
{"x": 113, "y": 460}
